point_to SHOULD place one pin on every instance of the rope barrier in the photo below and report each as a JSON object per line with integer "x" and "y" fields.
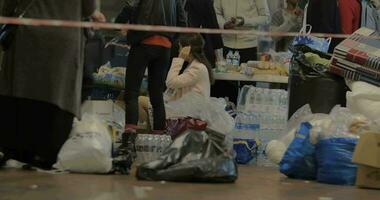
{"x": 135, "y": 27}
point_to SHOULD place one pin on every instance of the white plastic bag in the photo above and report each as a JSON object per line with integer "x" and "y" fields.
{"x": 277, "y": 148}
{"x": 196, "y": 106}
{"x": 364, "y": 99}
{"x": 345, "y": 124}
{"x": 89, "y": 148}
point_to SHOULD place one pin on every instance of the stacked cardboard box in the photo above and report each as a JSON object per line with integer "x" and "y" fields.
{"x": 367, "y": 156}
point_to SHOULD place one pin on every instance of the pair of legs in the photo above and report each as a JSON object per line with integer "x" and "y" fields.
{"x": 157, "y": 59}
{"x": 32, "y": 131}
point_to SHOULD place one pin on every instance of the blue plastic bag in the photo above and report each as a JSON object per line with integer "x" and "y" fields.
{"x": 320, "y": 44}
{"x": 334, "y": 158}
{"x": 299, "y": 159}
{"x": 245, "y": 150}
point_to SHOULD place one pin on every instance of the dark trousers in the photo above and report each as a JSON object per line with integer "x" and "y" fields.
{"x": 230, "y": 89}
{"x": 157, "y": 59}
{"x": 31, "y": 131}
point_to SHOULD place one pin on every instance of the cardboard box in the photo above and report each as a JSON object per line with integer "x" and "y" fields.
{"x": 107, "y": 110}
{"x": 367, "y": 156}
{"x": 103, "y": 109}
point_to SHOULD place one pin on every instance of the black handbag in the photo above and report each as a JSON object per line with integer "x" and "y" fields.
{"x": 7, "y": 31}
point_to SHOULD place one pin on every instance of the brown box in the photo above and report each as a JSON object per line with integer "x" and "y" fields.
{"x": 367, "y": 156}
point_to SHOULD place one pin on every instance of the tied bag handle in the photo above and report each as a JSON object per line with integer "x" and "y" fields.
{"x": 305, "y": 26}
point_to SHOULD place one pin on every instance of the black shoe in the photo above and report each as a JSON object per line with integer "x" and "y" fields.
{"x": 125, "y": 154}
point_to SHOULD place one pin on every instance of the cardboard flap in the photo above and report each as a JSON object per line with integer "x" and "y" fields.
{"x": 367, "y": 151}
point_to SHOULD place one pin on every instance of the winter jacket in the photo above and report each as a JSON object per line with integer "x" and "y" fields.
{"x": 254, "y": 12}
{"x": 46, "y": 63}
{"x": 350, "y": 15}
{"x": 324, "y": 17}
{"x": 201, "y": 14}
{"x": 152, "y": 12}
{"x": 195, "y": 78}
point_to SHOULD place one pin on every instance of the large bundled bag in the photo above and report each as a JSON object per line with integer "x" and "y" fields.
{"x": 299, "y": 159}
{"x": 195, "y": 156}
{"x": 335, "y": 164}
{"x": 89, "y": 148}
{"x": 336, "y": 147}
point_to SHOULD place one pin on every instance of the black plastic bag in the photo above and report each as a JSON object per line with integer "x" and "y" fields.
{"x": 195, "y": 156}
{"x": 301, "y": 67}
{"x": 313, "y": 84}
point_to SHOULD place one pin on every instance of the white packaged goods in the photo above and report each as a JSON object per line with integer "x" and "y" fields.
{"x": 364, "y": 99}
{"x": 89, "y": 148}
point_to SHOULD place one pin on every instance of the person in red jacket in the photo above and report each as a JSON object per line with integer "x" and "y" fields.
{"x": 350, "y": 14}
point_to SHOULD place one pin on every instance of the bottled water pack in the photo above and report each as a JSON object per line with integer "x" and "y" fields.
{"x": 262, "y": 115}
{"x": 150, "y": 147}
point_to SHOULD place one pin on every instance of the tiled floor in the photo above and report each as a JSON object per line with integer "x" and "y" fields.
{"x": 253, "y": 184}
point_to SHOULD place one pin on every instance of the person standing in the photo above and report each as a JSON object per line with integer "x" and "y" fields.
{"x": 334, "y": 16}
{"x": 242, "y": 15}
{"x": 350, "y": 15}
{"x": 41, "y": 80}
{"x": 149, "y": 50}
{"x": 201, "y": 14}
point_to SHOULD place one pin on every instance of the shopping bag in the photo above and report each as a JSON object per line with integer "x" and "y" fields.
{"x": 299, "y": 159}
{"x": 320, "y": 44}
{"x": 246, "y": 150}
{"x": 89, "y": 148}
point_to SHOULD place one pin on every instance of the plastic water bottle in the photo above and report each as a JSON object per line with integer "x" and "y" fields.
{"x": 238, "y": 121}
{"x": 145, "y": 148}
{"x": 156, "y": 146}
{"x": 139, "y": 149}
{"x": 236, "y": 61}
{"x": 229, "y": 60}
{"x": 168, "y": 142}
{"x": 259, "y": 99}
{"x": 150, "y": 143}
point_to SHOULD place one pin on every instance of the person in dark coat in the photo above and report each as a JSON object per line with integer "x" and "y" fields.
{"x": 201, "y": 14}
{"x": 40, "y": 81}
{"x": 324, "y": 17}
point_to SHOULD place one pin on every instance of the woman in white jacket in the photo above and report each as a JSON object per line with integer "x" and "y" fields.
{"x": 195, "y": 76}
{"x": 242, "y": 15}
